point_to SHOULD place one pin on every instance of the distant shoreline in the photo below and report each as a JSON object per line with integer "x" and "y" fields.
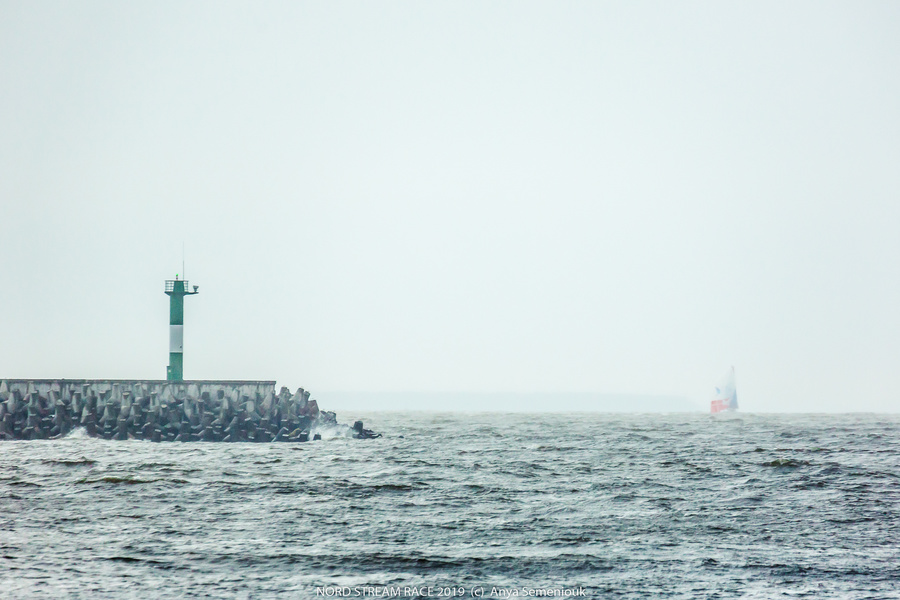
{"x": 508, "y": 402}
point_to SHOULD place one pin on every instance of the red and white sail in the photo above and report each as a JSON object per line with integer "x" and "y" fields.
{"x": 726, "y": 395}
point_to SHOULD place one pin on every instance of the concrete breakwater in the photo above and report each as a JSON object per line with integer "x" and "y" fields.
{"x": 226, "y": 411}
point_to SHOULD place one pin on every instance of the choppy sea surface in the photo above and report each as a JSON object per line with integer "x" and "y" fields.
{"x": 450, "y": 505}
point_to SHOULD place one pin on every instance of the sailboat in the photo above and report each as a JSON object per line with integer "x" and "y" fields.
{"x": 725, "y": 399}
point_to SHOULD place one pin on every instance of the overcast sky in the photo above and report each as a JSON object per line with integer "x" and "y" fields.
{"x": 458, "y": 196}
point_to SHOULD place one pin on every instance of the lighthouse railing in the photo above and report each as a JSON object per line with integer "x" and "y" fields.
{"x": 170, "y": 285}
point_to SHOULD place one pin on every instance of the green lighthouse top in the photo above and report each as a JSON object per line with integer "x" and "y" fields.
{"x": 179, "y": 287}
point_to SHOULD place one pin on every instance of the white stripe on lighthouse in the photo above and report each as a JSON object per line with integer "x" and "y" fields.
{"x": 176, "y": 338}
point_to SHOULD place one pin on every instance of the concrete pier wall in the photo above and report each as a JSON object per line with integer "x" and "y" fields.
{"x": 157, "y": 410}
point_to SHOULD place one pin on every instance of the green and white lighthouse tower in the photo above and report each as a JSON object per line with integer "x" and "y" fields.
{"x": 176, "y": 291}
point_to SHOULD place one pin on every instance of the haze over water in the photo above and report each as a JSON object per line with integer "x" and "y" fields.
{"x": 514, "y": 196}
{"x": 622, "y": 506}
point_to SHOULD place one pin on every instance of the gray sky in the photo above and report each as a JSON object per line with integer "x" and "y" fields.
{"x": 458, "y": 196}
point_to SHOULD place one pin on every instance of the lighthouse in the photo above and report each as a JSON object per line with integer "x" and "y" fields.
{"x": 176, "y": 290}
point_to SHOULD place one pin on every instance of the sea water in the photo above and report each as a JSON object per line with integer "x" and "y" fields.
{"x": 466, "y": 505}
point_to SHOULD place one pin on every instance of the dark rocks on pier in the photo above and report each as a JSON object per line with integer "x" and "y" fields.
{"x": 210, "y": 411}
